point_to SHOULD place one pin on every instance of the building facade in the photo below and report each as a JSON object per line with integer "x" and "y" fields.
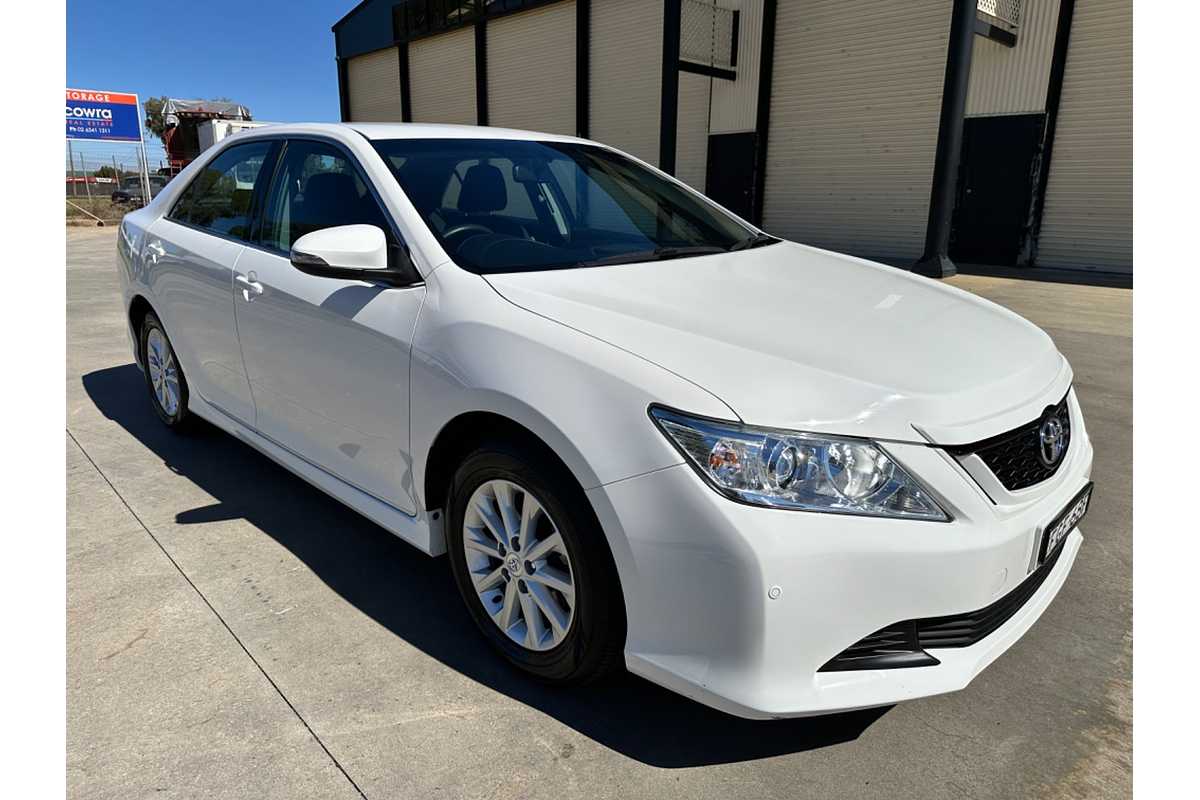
{"x": 822, "y": 121}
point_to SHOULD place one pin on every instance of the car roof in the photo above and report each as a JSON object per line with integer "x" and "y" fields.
{"x": 415, "y": 130}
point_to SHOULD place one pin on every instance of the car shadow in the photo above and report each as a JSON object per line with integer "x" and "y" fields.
{"x": 415, "y": 598}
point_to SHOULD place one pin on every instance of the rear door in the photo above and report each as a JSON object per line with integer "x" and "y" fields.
{"x": 328, "y": 359}
{"x": 192, "y": 252}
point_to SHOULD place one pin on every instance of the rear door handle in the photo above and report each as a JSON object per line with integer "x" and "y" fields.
{"x": 251, "y": 288}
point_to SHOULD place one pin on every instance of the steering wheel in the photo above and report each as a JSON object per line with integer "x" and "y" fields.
{"x": 466, "y": 227}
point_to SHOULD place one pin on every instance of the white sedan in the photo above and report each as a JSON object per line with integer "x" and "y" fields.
{"x": 776, "y": 479}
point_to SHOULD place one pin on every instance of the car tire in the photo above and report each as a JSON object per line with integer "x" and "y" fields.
{"x": 592, "y": 644}
{"x": 164, "y": 377}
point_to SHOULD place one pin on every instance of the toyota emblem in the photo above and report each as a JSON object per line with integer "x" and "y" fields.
{"x": 1051, "y": 440}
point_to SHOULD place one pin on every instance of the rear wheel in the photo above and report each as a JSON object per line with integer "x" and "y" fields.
{"x": 533, "y": 566}
{"x": 164, "y": 378}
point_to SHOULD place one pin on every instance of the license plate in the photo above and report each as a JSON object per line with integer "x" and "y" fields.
{"x": 1054, "y": 533}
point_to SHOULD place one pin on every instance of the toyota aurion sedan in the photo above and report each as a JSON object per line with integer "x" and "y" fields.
{"x": 775, "y": 479}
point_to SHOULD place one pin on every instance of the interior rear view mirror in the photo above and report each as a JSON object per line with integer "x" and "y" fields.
{"x": 524, "y": 173}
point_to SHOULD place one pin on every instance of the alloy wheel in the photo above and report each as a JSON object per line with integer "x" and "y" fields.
{"x": 519, "y": 565}
{"x": 164, "y": 376}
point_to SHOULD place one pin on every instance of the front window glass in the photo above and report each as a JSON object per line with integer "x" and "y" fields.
{"x": 316, "y": 187}
{"x": 508, "y": 205}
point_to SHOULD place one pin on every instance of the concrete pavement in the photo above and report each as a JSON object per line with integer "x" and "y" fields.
{"x": 233, "y": 632}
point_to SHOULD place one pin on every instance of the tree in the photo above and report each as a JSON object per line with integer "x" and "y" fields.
{"x": 154, "y": 116}
{"x": 106, "y": 172}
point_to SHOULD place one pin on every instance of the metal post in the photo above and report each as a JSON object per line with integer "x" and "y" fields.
{"x": 145, "y": 158}
{"x": 71, "y": 156}
{"x": 344, "y": 93}
{"x": 762, "y": 122}
{"x": 583, "y": 67}
{"x": 481, "y": 93}
{"x": 668, "y": 129}
{"x": 145, "y": 174}
{"x": 86, "y": 186}
{"x": 935, "y": 261}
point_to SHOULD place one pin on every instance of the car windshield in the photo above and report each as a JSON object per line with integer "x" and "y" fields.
{"x": 501, "y": 205}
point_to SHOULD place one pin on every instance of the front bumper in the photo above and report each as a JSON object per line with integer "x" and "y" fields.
{"x": 739, "y": 607}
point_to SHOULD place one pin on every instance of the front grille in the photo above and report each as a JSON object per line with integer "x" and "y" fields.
{"x": 904, "y": 643}
{"x": 1015, "y": 457}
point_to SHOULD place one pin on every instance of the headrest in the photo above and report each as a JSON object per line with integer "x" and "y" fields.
{"x": 483, "y": 190}
{"x": 331, "y": 189}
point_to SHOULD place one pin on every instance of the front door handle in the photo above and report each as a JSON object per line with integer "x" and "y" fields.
{"x": 251, "y": 288}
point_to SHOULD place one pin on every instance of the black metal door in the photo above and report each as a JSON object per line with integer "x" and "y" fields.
{"x": 995, "y": 188}
{"x": 730, "y": 176}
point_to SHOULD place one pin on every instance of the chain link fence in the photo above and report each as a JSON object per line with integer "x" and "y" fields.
{"x": 706, "y": 33}
{"x": 103, "y": 179}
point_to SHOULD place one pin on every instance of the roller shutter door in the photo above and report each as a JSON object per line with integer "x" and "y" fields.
{"x": 1088, "y": 218}
{"x": 626, "y": 65}
{"x": 374, "y": 86}
{"x": 442, "y": 77}
{"x": 855, "y": 101}
{"x": 531, "y": 70}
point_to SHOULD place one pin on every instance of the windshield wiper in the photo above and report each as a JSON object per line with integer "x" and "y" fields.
{"x": 657, "y": 254}
{"x": 757, "y": 240}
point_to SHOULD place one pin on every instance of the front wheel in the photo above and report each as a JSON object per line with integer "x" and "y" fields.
{"x": 533, "y": 566}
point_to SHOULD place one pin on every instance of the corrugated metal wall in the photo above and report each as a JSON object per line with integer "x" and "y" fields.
{"x": 1013, "y": 80}
{"x": 691, "y": 140}
{"x": 374, "y": 86}
{"x": 855, "y": 103}
{"x": 735, "y": 103}
{"x": 1088, "y": 219}
{"x": 442, "y": 77}
{"x": 531, "y": 70}
{"x": 626, "y": 62}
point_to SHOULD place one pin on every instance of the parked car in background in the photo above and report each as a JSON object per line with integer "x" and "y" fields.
{"x": 130, "y": 190}
{"x": 776, "y": 479}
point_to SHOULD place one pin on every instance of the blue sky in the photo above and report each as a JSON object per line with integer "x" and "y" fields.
{"x": 275, "y": 57}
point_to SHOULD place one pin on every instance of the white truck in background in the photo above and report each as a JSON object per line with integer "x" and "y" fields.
{"x": 211, "y": 131}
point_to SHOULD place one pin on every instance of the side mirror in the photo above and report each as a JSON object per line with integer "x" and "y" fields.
{"x": 352, "y": 252}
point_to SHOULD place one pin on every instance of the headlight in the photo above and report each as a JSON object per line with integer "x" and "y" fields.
{"x": 787, "y": 469}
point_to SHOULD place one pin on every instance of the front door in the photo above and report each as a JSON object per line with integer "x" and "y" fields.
{"x": 995, "y": 188}
{"x": 328, "y": 359}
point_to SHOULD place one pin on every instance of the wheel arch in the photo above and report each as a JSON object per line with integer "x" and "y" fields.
{"x": 139, "y": 307}
{"x": 465, "y": 431}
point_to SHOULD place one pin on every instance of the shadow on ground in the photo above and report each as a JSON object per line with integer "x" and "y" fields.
{"x": 415, "y": 598}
